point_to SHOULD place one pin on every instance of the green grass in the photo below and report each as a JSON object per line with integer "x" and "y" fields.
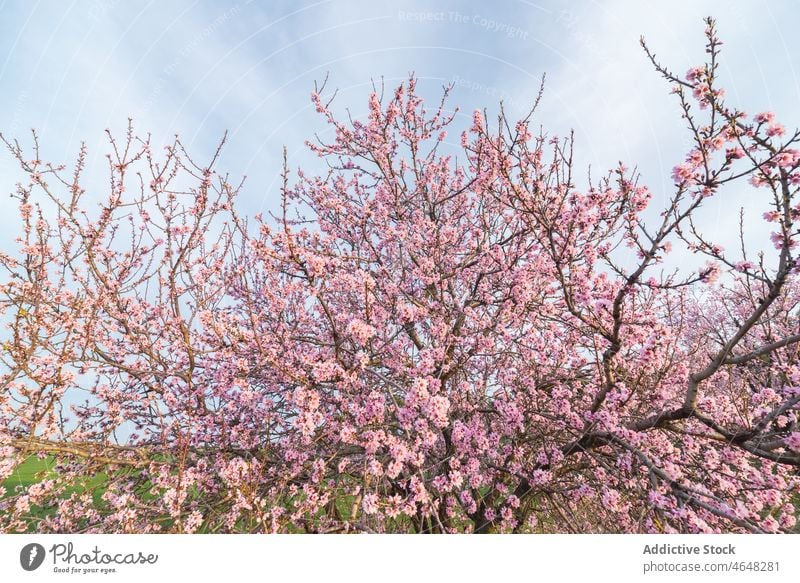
{"x": 29, "y": 472}
{"x": 35, "y": 469}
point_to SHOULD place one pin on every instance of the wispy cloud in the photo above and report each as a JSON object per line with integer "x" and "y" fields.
{"x": 199, "y": 68}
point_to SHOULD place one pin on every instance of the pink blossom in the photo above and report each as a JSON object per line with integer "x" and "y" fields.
{"x": 765, "y": 117}
{"x": 370, "y": 503}
{"x": 793, "y": 441}
{"x": 775, "y": 130}
{"x": 787, "y": 159}
{"x": 735, "y": 153}
{"x": 360, "y": 330}
{"x": 710, "y": 273}
{"x": 695, "y": 73}
{"x": 437, "y": 409}
{"x": 683, "y": 173}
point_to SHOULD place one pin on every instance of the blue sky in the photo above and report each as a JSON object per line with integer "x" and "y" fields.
{"x": 197, "y": 68}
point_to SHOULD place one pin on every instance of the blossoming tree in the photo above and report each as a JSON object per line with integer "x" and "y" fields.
{"x": 418, "y": 341}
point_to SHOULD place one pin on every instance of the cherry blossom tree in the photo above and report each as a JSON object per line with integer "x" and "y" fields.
{"x": 427, "y": 337}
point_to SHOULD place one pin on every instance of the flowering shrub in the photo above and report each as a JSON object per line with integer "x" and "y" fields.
{"x": 418, "y": 341}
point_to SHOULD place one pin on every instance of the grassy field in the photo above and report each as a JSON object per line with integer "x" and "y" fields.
{"x": 35, "y": 469}
{"x": 29, "y": 472}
